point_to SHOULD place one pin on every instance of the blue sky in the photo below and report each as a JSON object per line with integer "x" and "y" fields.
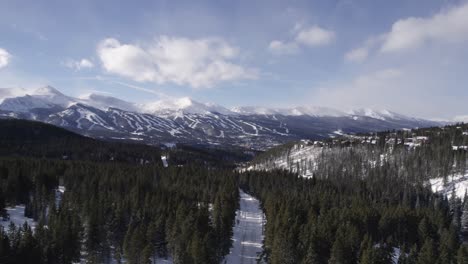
{"x": 406, "y": 56}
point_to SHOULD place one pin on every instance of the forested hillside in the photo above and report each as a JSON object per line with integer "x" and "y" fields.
{"x": 365, "y": 199}
{"x": 352, "y": 199}
{"x": 115, "y": 211}
{"x": 419, "y": 154}
{"x": 116, "y": 201}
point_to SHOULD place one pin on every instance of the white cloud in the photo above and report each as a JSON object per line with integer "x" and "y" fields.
{"x": 279, "y": 47}
{"x": 413, "y": 90}
{"x": 362, "y": 53}
{"x": 450, "y": 25}
{"x": 461, "y": 118}
{"x": 79, "y": 65}
{"x": 357, "y": 55}
{"x": 199, "y": 63}
{"x": 311, "y": 36}
{"x": 4, "y": 58}
{"x": 373, "y": 89}
{"x": 315, "y": 36}
{"x": 447, "y": 26}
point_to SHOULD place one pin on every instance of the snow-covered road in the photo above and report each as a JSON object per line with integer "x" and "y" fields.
{"x": 248, "y": 237}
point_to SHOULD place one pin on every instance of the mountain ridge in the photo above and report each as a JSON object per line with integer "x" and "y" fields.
{"x": 185, "y": 120}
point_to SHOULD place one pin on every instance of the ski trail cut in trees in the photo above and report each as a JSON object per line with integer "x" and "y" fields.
{"x": 248, "y": 232}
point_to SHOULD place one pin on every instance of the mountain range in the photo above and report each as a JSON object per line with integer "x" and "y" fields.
{"x": 183, "y": 120}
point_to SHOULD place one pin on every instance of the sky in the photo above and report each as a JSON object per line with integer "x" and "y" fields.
{"x": 408, "y": 56}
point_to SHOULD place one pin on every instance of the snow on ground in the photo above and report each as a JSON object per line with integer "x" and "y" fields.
{"x": 164, "y": 161}
{"x": 17, "y": 217}
{"x": 59, "y": 194}
{"x": 123, "y": 260}
{"x": 164, "y": 261}
{"x": 457, "y": 183}
{"x": 396, "y": 255}
{"x": 170, "y": 145}
{"x": 248, "y": 232}
{"x": 302, "y": 155}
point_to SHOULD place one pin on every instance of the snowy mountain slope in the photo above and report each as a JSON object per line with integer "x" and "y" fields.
{"x": 104, "y": 102}
{"x": 296, "y": 111}
{"x": 184, "y": 105}
{"x": 11, "y": 92}
{"x": 52, "y": 96}
{"x": 44, "y": 97}
{"x": 184, "y": 120}
{"x": 379, "y": 114}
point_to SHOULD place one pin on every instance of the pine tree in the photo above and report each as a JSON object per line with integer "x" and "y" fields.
{"x": 464, "y": 217}
{"x": 427, "y": 253}
{"x": 462, "y": 255}
{"x": 146, "y": 254}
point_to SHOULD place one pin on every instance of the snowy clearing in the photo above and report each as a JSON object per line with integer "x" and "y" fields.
{"x": 457, "y": 183}
{"x": 17, "y": 217}
{"x": 248, "y": 232}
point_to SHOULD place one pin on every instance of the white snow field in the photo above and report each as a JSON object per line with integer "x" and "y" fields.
{"x": 17, "y": 217}
{"x": 457, "y": 183}
{"x": 248, "y": 232}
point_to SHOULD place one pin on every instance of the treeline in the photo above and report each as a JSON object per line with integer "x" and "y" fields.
{"x": 115, "y": 212}
{"x": 21, "y": 138}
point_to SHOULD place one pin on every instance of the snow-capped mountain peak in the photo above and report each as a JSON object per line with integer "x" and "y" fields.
{"x": 318, "y": 111}
{"x": 104, "y": 102}
{"x": 22, "y": 100}
{"x": 47, "y": 91}
{"x": 296, "y": 111}
{"x": 377, "y": 114}
{"x": 182, "y": 105}
{"x": 52, "y": 96}
{"x": 11, "y": 92}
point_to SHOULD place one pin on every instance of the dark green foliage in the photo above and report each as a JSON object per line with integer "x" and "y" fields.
{"x": 345, "y": 220}
{"x": 364, "y": 202}
{"x": 116, "y": 210}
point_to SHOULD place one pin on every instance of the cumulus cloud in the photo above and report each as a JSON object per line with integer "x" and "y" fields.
{"x": 315, "y": 36}
{"x": 450, "y": 25}
{"x": 357, "y": 55}
{"x": 310, "y": 36}
{"x": 447, "y": 26}
{"x": 404, "y": 89}
{"x": 200, "y": 63}
{"x": 79, "y": 64}
{"x": 279, "y": 47}
{"x": 4, "y": 58}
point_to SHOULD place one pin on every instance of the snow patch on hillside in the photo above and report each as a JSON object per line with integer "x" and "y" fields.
{"x": 457, "y": 184}
{"x": 301, "y": 159}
